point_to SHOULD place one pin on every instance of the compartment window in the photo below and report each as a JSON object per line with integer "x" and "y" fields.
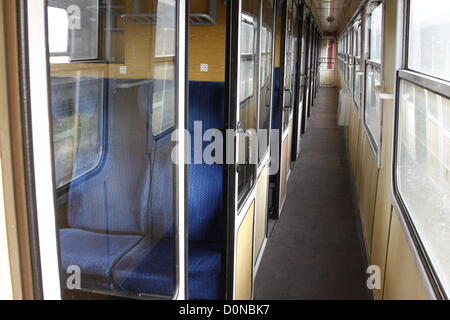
{"x": 359, "y": 73}
{"x": 372, "y": 111}
{"x": 429, "y": 43}
{"x": 248, "y": 57}
{"x": 73, "y": 30}
{"x": 422, "y": 138}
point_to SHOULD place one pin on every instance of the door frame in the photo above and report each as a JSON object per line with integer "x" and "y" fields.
{"x": 35, "y": 57}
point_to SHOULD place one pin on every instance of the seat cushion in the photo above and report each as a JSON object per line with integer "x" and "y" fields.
{"x": 94, "y": 253}
{"x": 150, "y": 269}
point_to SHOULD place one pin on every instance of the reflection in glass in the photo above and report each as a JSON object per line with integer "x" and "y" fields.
{"x": 423, "y": 170}
{"x": 266, "y": 71}
{"x": 248, "y": 93}
{"x": 113, "y": 110}
{"x": 373, "y": 103}
{"x": 429, "y": 42}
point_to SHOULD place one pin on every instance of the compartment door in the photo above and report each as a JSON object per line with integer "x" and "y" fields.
{"x": 103, "y": 144}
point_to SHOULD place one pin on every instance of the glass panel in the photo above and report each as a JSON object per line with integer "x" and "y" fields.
{"x": 73, "y": 29}
{"x": 248, "y": 94}
{"x": 289, "y": 72}
{"x": 359, "y": 74}
{"x": 423, "y": 170}
{"x": 429, "y": 42}
{"x": 375, "y": 33}
{"x": 350, "y": 66}
{"x": 112, "y": 125}
{"x": 373, "y": 103}
{"x": 266, "y": 72}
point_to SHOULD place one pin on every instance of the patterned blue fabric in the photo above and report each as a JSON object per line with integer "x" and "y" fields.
{"x": 150, "y": 269}
{"x": 95, "y": 254}
{"x": 206, "y": 104}
{"x": 115, "y": 199}
{"x": 276, "y": 98}
{"x": 107, "y": 209}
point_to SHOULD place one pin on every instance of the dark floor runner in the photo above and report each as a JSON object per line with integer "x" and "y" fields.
{"x": 316, "y": 249}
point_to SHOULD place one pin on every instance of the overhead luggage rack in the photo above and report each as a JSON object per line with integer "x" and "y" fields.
{"x": 200, "y": 19}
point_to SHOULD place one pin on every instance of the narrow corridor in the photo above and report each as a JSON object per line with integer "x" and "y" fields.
{"x": 316, "y": 250}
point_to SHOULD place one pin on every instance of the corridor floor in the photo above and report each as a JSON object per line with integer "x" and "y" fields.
{"x": 316, "y": 249}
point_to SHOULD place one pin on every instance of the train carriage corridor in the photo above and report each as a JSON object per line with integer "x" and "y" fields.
{"x": 316, "y": 249}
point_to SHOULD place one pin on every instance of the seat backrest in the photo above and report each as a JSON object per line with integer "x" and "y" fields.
{"x": 205, "y": 207}
{"x": 115, "y": 198}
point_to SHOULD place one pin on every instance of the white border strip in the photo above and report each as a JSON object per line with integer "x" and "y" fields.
{"x": 182, "y": 267}
{"x": 42, "y": 151}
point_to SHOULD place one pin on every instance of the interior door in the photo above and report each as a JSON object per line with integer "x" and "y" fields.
{"x": 300, "y": 84}
{"x": 243, "y": 98}
{"x": 102, "y": 146}
{"x": 288, "y": 94}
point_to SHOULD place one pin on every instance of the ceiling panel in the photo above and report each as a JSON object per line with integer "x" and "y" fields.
{"x": 330, "y": 13}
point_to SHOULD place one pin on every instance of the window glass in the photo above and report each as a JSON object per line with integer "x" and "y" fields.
{"x": 248, "y": 56}
{"x": 373, "y": 103}
{"x": 114, "y": 174}
{"x": 429, "y": 37}
{"x": 58, "y": 30}
{"x": 77, "y": 113}
{"x": 375, "y": 33}
{"x": 359, "y": 74}
{"x": 248, "y": 86}
{"x": 73, "y": 29}
{"x": 266, "y": 72}
{"x": 351, "y": 60}
{"x": 423, "y": 170}
{"x": 164, "y": 63}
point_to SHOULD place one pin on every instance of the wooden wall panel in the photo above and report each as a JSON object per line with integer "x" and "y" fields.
{"x": 261, "y": 210}
{"x": 383, "y": 207}
{"x": 369, "y": 175}
{"x": 284, "y": 170}
{"x": 402, "y": 280}
{"x": 207, "y": 45}
{"x": 244, "y": 257}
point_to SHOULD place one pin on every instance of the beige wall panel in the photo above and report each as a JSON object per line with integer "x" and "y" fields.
{"x": 244, "y": 257}
{"x": 369, "y": 171}
{"x": 402, "y": 280}
{"x": 360, "y": 143}
{"x": 262, "y": 186}
{"x": 207, "y": 44}
{"x": 284, "y": 170}
{"x": 6, "y": 289}
{"x": 290, "y": 138}
{"x": 383, "y": 206}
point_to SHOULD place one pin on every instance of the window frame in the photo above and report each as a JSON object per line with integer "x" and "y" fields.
{"x": 438, "y": 86}
{"x": 379, "y": 65}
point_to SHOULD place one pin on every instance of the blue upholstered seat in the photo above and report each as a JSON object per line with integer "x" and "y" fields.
{"x": 107, "y": 210}
{"x": 149, "y": 267}
{"x": 95, "y": 253}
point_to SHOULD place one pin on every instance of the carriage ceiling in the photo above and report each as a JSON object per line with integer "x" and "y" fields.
{"x": 333, "y": 15}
